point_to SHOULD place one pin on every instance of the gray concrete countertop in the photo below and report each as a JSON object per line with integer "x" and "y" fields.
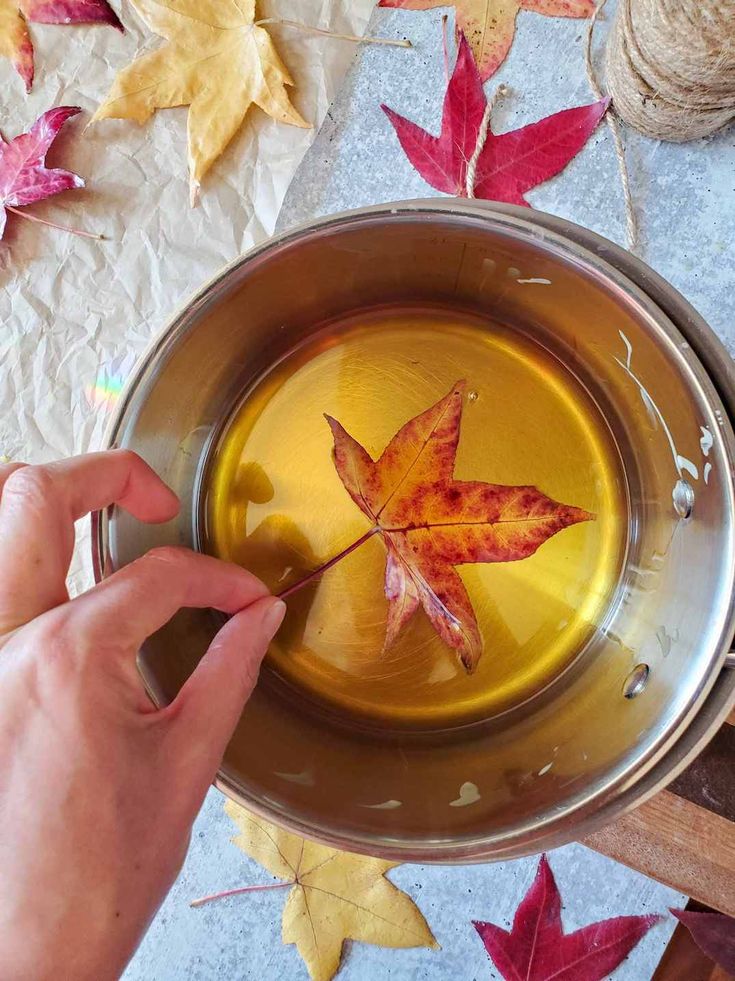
{"x": 240, "y": 938}
{"x": 684, "y": 196}
{"x": 684, "y": 193}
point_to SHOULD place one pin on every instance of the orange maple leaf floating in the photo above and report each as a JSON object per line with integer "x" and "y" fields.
{"x": 431, "y": 522}
{"x": 489, "y": 25}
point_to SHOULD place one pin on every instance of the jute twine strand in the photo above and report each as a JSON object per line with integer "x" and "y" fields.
{"x": 481, "y": 140}
{"x": 670, "y": 71}
{"x": 671, "y": 66}
{"x": 613, "y": 123}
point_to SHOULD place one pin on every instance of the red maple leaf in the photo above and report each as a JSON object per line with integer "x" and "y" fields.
{"x": 714, "y": 933}
{"x": 23, "y": 176}
{"x": 468, "y": 160}
{"x": 15, "y": 41}
{"x": 430, "y": 522}
{"x": 537, "y": 949}
{"x": 490, "y": 24}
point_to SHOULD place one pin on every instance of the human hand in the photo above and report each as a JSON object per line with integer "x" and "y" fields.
{"x": 98, "y": 789}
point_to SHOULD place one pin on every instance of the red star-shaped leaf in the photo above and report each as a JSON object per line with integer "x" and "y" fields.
{"x": 714, "y": 933}
{"x": 490, "y": 24}
{"x": 24, "y": 178}
{"x": 537, "y": 949}
{"x": 431, "y": 522}
{"x": 506, "y": 166}
{"x": 15, "y": 41}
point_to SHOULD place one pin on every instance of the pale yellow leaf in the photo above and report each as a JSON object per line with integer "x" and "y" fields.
{"x": 336, "y": 895}
{"x": 217, "y": 61}
{"x": 489, "y": 25}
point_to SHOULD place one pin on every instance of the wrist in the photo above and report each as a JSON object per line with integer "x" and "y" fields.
{"x": 45, "y": 947}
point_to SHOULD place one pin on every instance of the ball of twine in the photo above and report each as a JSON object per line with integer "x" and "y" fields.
{"x": 671, "y": 66}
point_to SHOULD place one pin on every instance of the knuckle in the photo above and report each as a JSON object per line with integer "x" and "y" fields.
{"x": 64, "y": 624}
{"x": 56, "y": 636}
{"x": 160, "y": 566}
{"x": 169, "y": 554}
{"x": 34, "y": 486}
{"x": 71, "y": 640}
{"x": 129, "y": 457}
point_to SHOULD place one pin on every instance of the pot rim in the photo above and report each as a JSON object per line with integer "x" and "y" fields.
{"x": 716, "y": 693}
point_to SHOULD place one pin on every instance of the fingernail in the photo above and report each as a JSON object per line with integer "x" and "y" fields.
{"x": 273, "y": 617}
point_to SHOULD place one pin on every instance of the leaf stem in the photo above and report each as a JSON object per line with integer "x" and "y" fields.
{"x": 328, "y": 565}
{"x": 237, "y": 892}
{"x": 392, "y": 42}
{"x": 52, "y": 224}
{"x": 445, "y": 46}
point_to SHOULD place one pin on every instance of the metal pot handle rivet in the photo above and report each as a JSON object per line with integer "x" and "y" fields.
{"x": 636, "y": 681}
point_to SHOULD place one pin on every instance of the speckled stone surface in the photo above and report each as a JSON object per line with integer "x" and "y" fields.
{"x": 240, "y": 938}
{"x": 685, "y": 199}
{"x": 684, "y": 193}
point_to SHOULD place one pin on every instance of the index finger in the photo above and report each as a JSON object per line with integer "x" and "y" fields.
{"x": 38, "y": 508}
{"x": 141, "y": 597}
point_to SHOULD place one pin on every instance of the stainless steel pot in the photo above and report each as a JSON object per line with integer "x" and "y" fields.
{"x": 649, "y": 688}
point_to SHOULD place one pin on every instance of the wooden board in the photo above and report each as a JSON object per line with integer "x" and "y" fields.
{"x": 685, "y": 835}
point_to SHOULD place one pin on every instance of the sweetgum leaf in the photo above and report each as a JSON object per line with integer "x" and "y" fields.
{"x": 714, "y": 933}
{"x": 15, "y": 41}
{"x": 334, "y": 895}
{"x": 537, "y": 949}
{"x": 490, "y": 24}
{"x": 24, "y": 178}
{"x": 217, "y": 61}
{"x": 506, "y": 165}
{"x": 431, "y": 522}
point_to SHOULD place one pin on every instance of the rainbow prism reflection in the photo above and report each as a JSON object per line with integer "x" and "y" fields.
{"x": 105, "y": 392}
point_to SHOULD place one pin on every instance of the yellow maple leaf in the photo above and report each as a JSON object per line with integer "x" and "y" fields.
{"x": 335, "y": 895}
{"x": 218, "y": 61}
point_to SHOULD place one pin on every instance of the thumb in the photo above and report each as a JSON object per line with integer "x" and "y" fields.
{"x": 211, "y": 701}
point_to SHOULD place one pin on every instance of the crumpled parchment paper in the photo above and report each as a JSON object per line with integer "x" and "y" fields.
{"x": 76, "y": 314}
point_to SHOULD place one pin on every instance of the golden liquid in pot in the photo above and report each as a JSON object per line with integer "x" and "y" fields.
{"x": 275, "y": 504}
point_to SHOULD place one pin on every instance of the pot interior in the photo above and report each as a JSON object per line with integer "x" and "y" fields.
{"x": 598, "y": 649}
